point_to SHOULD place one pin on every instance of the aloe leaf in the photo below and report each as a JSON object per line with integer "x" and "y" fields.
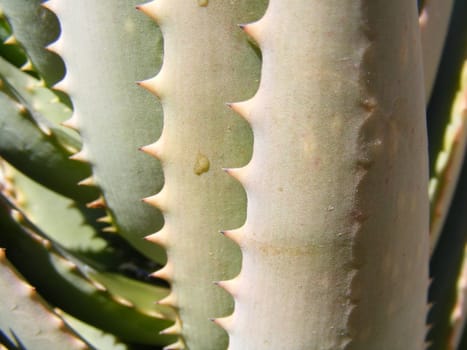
{"x": 335, "y": 244}
{"x": 67, "y": 283}
{"x": 94, "y": 336}
{"x": 113, "y": 115}
{"x": 25, "y": 319}
{"x": 446, "y": 269}
{"x": 449, "y": 161}
{"x": 11, "y": 52}
{"x": 459, "y": 312}
{"x": 46, "y": 109}
{"x": 446, "y": 121}
{"x": 72, "y": 225}
{"x": 434, "y": 23}
{"x": 41, "y": 156}
{"x": 35, "y": 27}
{"x": 201, "y": 136}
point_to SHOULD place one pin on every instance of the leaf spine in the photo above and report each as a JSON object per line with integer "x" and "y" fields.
{"x": 123, "y": 301}
{"x": 178, "y": 345}
{"x": 152, "y": 85}
{"x": 169, "y": 300}
{"x": 98, "y": 203}
{"x": 81, "y": 156}
{"x": 50, "y": 5}
{"x": 158, "y": 200}
{"x": 175, "y": 329}
{"x": 161, "y": 237}
{"x": 105, "y": 219}
{"x": 150, "y": 9}
{"x": 230, "y": 286}
{"x": 223, "y": 322}
{"x": 27, "y": 66}
{"x": 242, "y": 108}
{"x": 253, "y": 30}
{"x": 237, "y": 173}
{"x": 72, "y": 123}
{"x": 63, "y": 85}
{"x": 235, "y": 235}
{"x": 11, "y": 40}
{"x": 55, "y": 47}
{"x": 165, "y": 273}
{"x": 109, "y": 229}
{"x": 89, "y": 181}
{"x": 153, "y": 149}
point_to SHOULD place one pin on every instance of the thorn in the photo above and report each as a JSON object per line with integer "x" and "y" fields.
{"x": 178, "y": 345}
{"x": 123, "y": 301}
{"x": 169, "y": 300}
{"x": 229, "y": 286}
{"x": 109, "y": 229}
{"x": 252, "y": 29}
{"x": 165, "y": 273}
{"x": 50, "y": 5}
{"x": 99, "y": 286}
{"x": 156, "y": 200}
{"x": 27, "y": 66}
{"x": 236, "y": 173}
{"x": 62, "y": 85}
{"x": 55, "y": 47}
{"x": 11, "y": 40}
{"x": 149, "y": 9}
{"x": 154, "y": 149}
{"x": 89, "y": 181}
{"x": 80, "y": 157}
{"x": 224, "y": 322}
{"x": 234, "y": 235}
{"x": 105, "y": 219}
{"x": 98, "y": 203}
{"x": 242, "y": 108}
{"x": 175, "y": 329}
{"x": 152, "y": 85}
{"x": 160, "y": 237}
{"x": 71, "y": 123}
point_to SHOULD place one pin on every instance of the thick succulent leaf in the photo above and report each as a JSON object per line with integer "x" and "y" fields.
{"x": 72, "y": 225}
{"x": 202, "y": 136}
{"x": 65, "y": 283}
{"x": 26, "y": 320}
{"x": 94, "y": 336}
{"x": 445, "y": 266}
{"x": 447, "y": 121}
{"x": 449, "y": 160}
{"x": 46, "y": 109}
{"x": 39, "y": 155}
{"x": 335, "y": 244}
{"x": 11, "y": 52}
{"x": 107, "y": 46}
{"x": 434, "y": 23}
{"x": 34, "y": 27}
{"x": 459, "y": 312}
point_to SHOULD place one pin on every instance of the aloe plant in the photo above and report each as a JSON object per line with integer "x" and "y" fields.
{"x": 232, "y": 174}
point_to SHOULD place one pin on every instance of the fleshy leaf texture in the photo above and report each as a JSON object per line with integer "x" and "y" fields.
{"x": 125, "y": 306}
{"x": 107, "y": 46}
{"x": 42, "y": 156}
{"x": 208, "y": 61}
{"x": 434, "y": 24}
{"x": 26, "y": 319}
{"x": 34, "y": 27}
{"x": 94, "y": 336}
{"x": 449, "y": 160}
{"x": 335, "y": 244}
